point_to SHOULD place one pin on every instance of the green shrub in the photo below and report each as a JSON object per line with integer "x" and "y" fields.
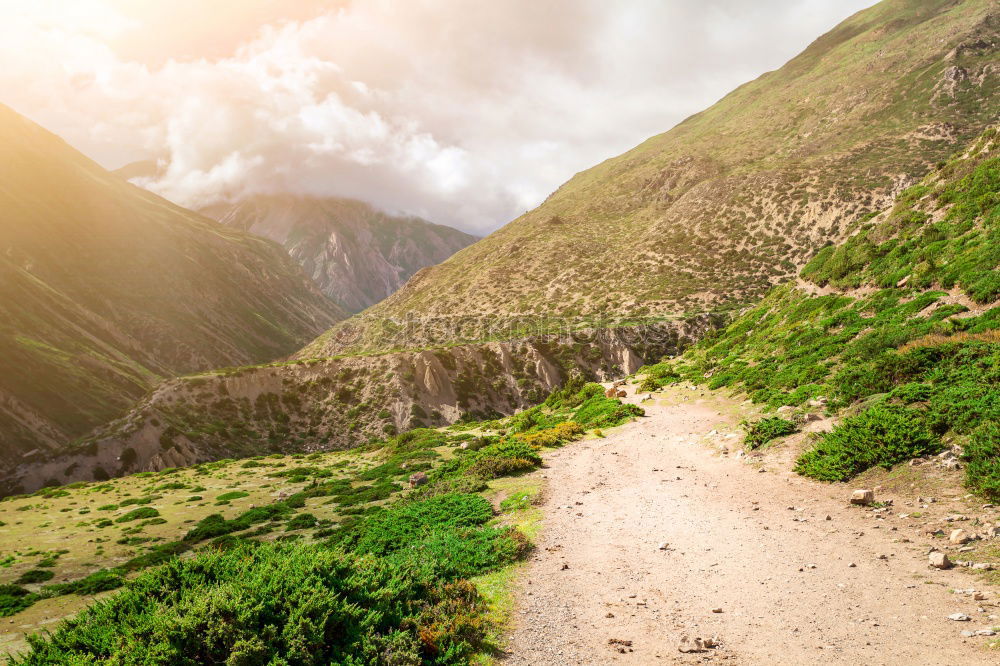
{"x": 301, "y": 521}
{"x": 598, "y": 411}
{"x": 760, "y": 432}
{"x": 235, "y": 494}
{"x": 882, "y": 435}
{"x": 295, "y": 604}
{"x": 136, "y": 514}
{"x": 99, "y": 581}
{"x": 14, "y": 599}
{"x": 35, "y": 576}
{"x": 982, "y": 461}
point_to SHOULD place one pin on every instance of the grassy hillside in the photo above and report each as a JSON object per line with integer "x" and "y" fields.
{"x": 896, "y": 329}
{"x": 105, "y": 288}
{"x": 325, "y": 558}
{"x": 734, "y": 199}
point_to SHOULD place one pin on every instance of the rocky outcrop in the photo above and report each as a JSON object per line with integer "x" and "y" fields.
{"x": 333, "y": 403}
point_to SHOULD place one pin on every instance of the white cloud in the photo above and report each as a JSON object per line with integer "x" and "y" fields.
{"x": 464, "y": 113}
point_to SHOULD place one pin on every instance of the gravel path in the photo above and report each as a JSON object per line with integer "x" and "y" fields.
{"x": 751, "y": 558}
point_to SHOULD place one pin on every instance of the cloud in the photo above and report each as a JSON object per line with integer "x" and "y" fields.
{"x": 464, "y": 113}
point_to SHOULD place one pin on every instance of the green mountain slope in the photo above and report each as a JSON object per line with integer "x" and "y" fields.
{"x": 105, "y": 288}
{"x": 731, "y": 201}
{"x": 896, "y": 328}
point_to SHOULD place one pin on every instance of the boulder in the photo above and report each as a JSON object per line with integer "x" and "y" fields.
{"x": 863, "y": 497}
{"x": 417, "y": 479}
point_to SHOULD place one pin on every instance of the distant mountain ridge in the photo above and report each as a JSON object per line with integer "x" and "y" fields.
{"x": 105, "y": 289}
{"x": 733, "y": 200}
{"x": 356, "y": 254}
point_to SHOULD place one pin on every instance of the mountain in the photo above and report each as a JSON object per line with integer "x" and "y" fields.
{"x": 106, "y": 288}
{"x": 731, "y": 201}
{"x": 356, "y": 254}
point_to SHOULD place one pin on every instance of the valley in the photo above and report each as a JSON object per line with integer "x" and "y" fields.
{"x": 731, "y": 396}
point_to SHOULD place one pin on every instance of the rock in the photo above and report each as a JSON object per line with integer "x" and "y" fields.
{"x": 939, "y": 560}
{"x": 968, "y": 634}
{"x": 417, "y": 479}
{"x": 852, "y": 565}
{"x": 959, "y": 617}
{"x": 986, "y": 632}
{"x": 785, "y": 409}
{"x": 979, "y": 596}
{"x": 663, "y": 546}
{"x": 687, "y": 645}
{"x": 716, "y": 610}
{"x": 611, "y": 393}
{"x": 863, "y": 497}
{"x": 464, "y": 445}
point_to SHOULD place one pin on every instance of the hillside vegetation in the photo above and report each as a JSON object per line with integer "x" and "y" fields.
{"x": 733, "y": 200}
{"x": 896, "y": 329}
{"x": 105, "y": 289}
{"x": 333, "y": 562}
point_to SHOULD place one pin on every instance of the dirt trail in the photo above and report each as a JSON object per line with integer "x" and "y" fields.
{"x": 734, "y": 545}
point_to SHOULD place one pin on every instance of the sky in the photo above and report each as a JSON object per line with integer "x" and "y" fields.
{"x": 464, "y": 112}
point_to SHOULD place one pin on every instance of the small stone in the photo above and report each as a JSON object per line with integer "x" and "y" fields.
{"x": 986, "y": 632}
{"x": 852, "y": 565}
{"x": 939, "y": 560}
{"x": 968, "y": 634}
{"x": 564, "y": 567}
{"x": 959, "y": 617}
{"x": 418, "y": 479}
{"x": 716, "y": 610}
{"x": 663, "y": 546}
{"x": 863, "y": 497}
{"x": 979, "y": 596}
{"x": 959, "y": 536}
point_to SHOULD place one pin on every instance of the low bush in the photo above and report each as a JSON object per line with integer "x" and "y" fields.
{"x": 14, "y": 599}
{"x": 597, "y": 411}
{"x": 296, "y": 604}
{"x": 982, "y": 461}
{"x": 882, "y": 435}
{"x": 35, "y": 576}
{"x": 136, "y": 514}
{"x": 762, "y": 431}
{"x": 555, "y": 436}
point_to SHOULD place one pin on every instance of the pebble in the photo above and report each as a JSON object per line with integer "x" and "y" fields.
{"x": 959, "y": 617}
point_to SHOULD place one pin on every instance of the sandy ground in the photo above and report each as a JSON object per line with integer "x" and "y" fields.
{"x": 754, "y": 545}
